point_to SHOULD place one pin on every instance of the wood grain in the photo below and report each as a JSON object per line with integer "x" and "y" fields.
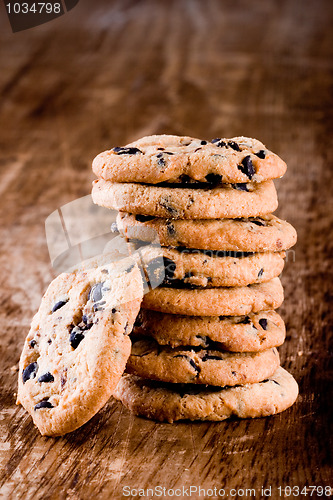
{"x": 109, "y": 72}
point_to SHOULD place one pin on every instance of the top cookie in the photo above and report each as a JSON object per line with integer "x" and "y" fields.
{"x": 174, "y": 159}
{"x": 78, "y": 345}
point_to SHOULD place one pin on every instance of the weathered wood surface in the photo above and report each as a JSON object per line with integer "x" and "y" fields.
{"x": 109, "y": 72}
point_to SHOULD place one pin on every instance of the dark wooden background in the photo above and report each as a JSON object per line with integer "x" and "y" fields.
{"x": 109, "y": 72}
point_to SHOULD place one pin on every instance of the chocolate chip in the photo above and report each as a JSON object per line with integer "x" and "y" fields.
{"x": 29, "y": 372}
{"x": 263, "y": 323}
{"x": 43, "y": 404}
{"x": 96, "y": 293}
{"x": 241, "y": 186}
{"x": 233, "y": 145}
{"x": 261, "y": 154}
{"x": 49, "y": 341}
{"x": 257, "y": 221}
{"x": 75, "y": 338}
{"x": 270, "y": 380}
{"x": 127, "y": 151}
{"x": 160, "y": 149}
{"x": 234, "y": 373}
{"x": 219, "y": 143}
{"x": 114, "y": 228}
{"x": 246, "y": 167}
{"x": 165, "y": 202}
{"x": 190, "y": 360}
{"x": 144, "y": 218}
{"x": 192, "y": 363}
{"x": 32, "y": 343}
{"x": 261, "y": 272}
{"x": 171, "y": 229}
{"x": 161, "y": 160}
{"x": 214, "y": 178}
{"x": 168, "y": 153}
{"x": 46, "y": 377}
{"x": 59, "y": 304}
{"x": 203, "y": 143}
{"x": 211, "y": 356}
{"x": 170, "y": 267}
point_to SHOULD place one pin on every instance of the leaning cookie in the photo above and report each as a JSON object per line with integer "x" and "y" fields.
{"x": 170, "y": 158}
{"x": 184, "y": 266}
{"x": 78, "y": 345}
{"x": 171, "y": 402}
{"x": 255, "y": 234}
{"x": 200, "y": 366}
{"x": 227, "y": 301}
{"x": 252, "y": 333}
{"x": 228, "y": 201}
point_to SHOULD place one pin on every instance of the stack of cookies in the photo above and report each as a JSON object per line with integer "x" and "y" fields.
{"x": 204, "y": 343}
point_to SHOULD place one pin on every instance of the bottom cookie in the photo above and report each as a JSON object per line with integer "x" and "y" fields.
{"x": 170, "y": 402}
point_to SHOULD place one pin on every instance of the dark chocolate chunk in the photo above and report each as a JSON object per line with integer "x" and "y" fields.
{"x": 261, "y": 154}
{"x": 269, "y": 380}
{"x": 161, "y": 160}
{"x": 96, "y": 293}
{"x": 213, "y": 178}
{"x": 246, "y": 167}
{"x": 170, "y": 267}
{"x": 234, "y": 373}
{"x": 171, "y": 229}
{"x": 168, "y": 153}
{"x": 263, "y": 323}
{"x": 190, "y": 360}
{"x": 32, "y": 343}
{"x": 257, "y": 221}
{"x": 261, "y": 272}
{"x": 29, "y": 372}
{"x": 75, "y": 338}
{"x": 211, "y": 356}
{"x": 160, "y": 149}
{"x": 127, "y": 151}
{"x": 203, "y": 143}
{"x": 233, "y": 145}
{"x": 144, "y": 218}
{"x": 49, "y": 341}
{"x": 46, "y": 377}
{"x": 43, "y": 404}
{"x": 166, "y": 203}
{"x": 192, "y": 363}
{"x": 241, "y": 186}
{"x": 59, "y": 304}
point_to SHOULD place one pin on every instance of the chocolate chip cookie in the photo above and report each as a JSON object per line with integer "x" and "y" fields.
{"x": 78, "y": 345}
{"x": 252, "y": 333}
{"x": 187, "y": 203}
{"x": 200, "y": 366}
{"x": 255, "y": 234}
{"x": 227, "y": 301}
{"x": 193, "y": 267}
{"x": 169, "y": 158}
{"x": 170, "y": 402}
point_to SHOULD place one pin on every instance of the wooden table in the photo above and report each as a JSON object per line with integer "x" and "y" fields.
{"x": 109, "y": 72}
